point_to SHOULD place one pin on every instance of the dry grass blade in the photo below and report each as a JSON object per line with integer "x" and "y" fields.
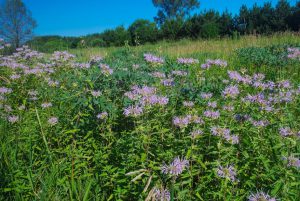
{"x": 135, "y": 172}
{"x": 147, "y": 185}
{"x": 137, "y": 177}
{"x": 151, "y": 195}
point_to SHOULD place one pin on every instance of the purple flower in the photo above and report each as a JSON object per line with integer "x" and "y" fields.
{"x": 217, "y": 62}
{"x": 182, "y": 121}
{"x": 232, "y": 139}
{"x": 196, "y": 133}
{"x": 4, "y": 90}
{"x": 285, "y": 131}
{"x": 285, "y": 84}
{"x": 259, "y": 123}
{"x": 153, "y": 59}
{"x": 218, "y": 131}
{"x": 234, "y": 75}
{"x": 179, "y": 73}
{"x": 187, "y": 61}
{"x": 231, "y": 91}
{"x": 53, "y": 120}
{"x": 206, "y": 96}
{"x": 96, "y": 59}
{"x": 228, "y": 108}
{"x": 102, "y": 115}
{"x": 259, "y": 76}
{"x": 227, "y": 172}
{"x": 188, "y": 103}
{"x": 62, "y": 56}
{"x": 158, "y": 75}
{"x": 53, "y": 83}
{"x": 261, "y": 196}
{"x": 154, "y": 100}
{"x": 294, "y": 53}
{"x": 96, "y": 94}
{"x": 13, "y": 119}
{"x": 162, "y": 194}
{"x": 81, "y": 65}
{"x": 46, "y": 105}
{"x": 212, "y": 104}
{"x": 211, "y": 114}
{"x": 168, "y": 82}
{"x": 176, "y": 167}
{"x": 197, "y": 120}
{"x": 145, "y": 90}
{"x": 105, "y": 69}
{"x": 292, "y": 161}
{"x": 205, "y": 66}
{"x": 133, "y": 111}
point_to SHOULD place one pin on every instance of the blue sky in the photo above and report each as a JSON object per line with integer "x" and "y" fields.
{"x": 81, "y": 17}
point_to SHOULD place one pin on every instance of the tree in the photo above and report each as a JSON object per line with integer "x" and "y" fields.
{"x": 226, "y": 23}
{"x": 294, "y": 19}
{"x": 283, "y": 11}
{"x": 115, "y": 37}
{"x": 171, "y": 29}
{"x": 210, "y": 27}
{"x": 142, "y": 31}
{"x": 242, "y": 20}
{"x": 173, "y": 9}
{"x": 16, "y": 23}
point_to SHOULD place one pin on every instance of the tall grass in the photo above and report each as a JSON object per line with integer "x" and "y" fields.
{"x": 224, "y": 46}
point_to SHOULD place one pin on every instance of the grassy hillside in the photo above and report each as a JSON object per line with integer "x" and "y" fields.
{"x": 222, "y": 47}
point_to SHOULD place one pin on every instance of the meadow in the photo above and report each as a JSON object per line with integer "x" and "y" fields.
{"x": 188, "y": 120}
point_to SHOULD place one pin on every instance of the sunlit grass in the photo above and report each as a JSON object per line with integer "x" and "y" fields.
{"x": 224, "y": 47}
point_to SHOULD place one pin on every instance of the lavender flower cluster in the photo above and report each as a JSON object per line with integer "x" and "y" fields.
{"x": 294, "y": 53}
{"x": 153, "y": 59}
{"x": 260, "y": 196}
{"x": 184, "y": 121}
{"x": 216, "y": 62}
{"x": 231, "y": 91}
{"x": 62, "y": 56}
{"x": 227, "y": 172}
{"x": 102, "y": 115}
{"x": 179, "y": 73}
{"x": 187, "y": 61}
{"x": 133, "y": 110}
{"x": 162, "y": 194}
{"x": 292, "y": 161}
{"x": 105, "y": 69}
{"x": 176, "y": 167}
{"x": 225, "y": 134}
{"x": 145, "y": 96}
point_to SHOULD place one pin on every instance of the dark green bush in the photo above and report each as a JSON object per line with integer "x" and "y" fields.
{"x": 142, "y": 31}
{"x": 271, "y": 56}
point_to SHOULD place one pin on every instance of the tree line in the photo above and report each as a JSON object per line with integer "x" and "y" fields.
{"x": 176, "y": 19}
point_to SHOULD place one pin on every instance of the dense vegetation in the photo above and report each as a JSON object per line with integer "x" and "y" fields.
{"x": 264, "y": 19}
{"x": 140, "y": 126}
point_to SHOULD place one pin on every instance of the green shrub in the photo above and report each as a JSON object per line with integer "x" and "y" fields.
{"x": 270, "y": 56}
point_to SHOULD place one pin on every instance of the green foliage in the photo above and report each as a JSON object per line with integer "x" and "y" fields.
{"x": 143, "y": 31}
{"x": 53, "y": 43}
{"x": 172, "y": 9}
{"x": 119, "y": 157}
{"x": 172, "y": 28}
{"x": 115, "y": 37}
{"x": 271, "y": 56}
